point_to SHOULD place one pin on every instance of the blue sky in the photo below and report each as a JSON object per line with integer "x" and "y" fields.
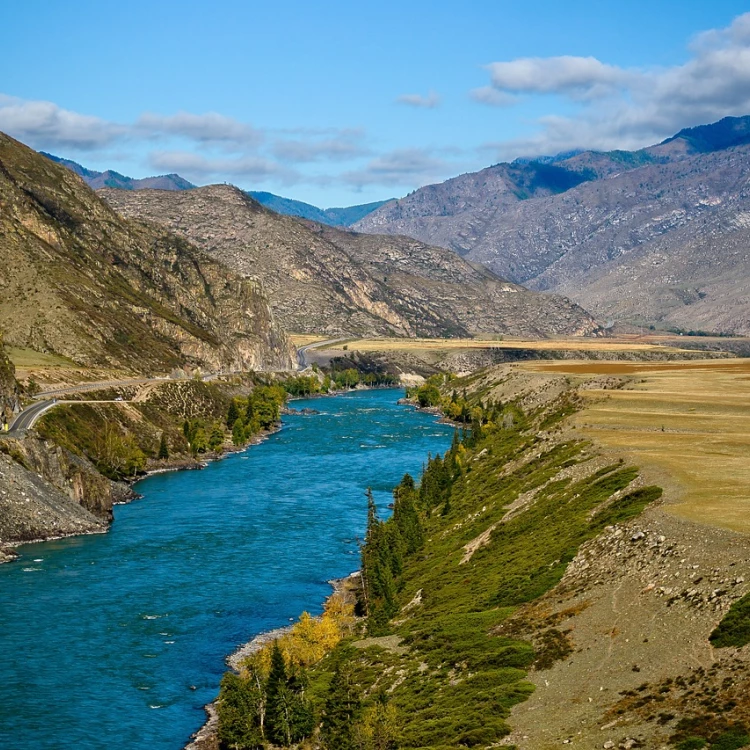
{"x": 340, "y": 103}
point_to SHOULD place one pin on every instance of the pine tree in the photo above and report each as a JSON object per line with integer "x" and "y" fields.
{"x": 342, "y": 709}
{"x": 232, "y": 415}
{"x": 289, "y": 716}
{"x": 277, "y": 674}
{"x": 216, "y": 438}
{"x": 240, "y": 711}
{"x": 163, "y": 447}
{"x": 238, "y": 431}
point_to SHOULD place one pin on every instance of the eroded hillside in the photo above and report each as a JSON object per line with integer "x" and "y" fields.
{"x": 536, "y": 591}
{"x": 324, "y": 280}
{"x": 80, "y": 281}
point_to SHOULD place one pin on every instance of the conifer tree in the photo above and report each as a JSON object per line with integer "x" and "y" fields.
{"x": 163, "y": 447}
{"x": 289, "y": 716}
{"x": 232, "y": 415}
{"x": 216, "y": 438}
{"x": 238, "y": 431}
{"x": 239, "y": 712}
{"x": 342, "y": 709}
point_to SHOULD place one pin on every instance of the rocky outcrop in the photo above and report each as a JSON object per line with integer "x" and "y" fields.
{"x": 78, "y": 280}
{"x": 10, "y": 393}
{"x": 329, "y": 281}
{"x": 46, "y": 492}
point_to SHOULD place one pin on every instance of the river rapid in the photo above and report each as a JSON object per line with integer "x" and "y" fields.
{"x": 119, "y": 639}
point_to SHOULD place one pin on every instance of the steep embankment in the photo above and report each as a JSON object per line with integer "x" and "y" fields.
{"x": 324, "y": 280}
{"x": 10, "y": 392}
{"x": 534, "y": 591}
{"x": 80, "y": 281}
{"x": 47, "y": 491}
{"x": 656, "y": 236}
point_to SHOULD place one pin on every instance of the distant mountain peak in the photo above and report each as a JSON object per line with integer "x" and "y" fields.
{"x": 336, "y": 217}
{"x": 717, "y": 136}
{"x": 110, "y": 178}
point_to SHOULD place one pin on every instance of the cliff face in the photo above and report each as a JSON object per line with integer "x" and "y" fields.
{"x": 9, "y": 390}
{"x": 325, "y": 280}
{"x": 46, "y": 491}
{"x": 78, "y": 280}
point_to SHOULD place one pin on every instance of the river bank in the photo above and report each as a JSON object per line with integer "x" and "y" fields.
{"x": 185, "y": 575}
{"x": 207, "y": 737}
{"x": 82, "y": 521}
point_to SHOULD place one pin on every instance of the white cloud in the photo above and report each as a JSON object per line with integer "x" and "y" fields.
{"x": 210, "y": 127}
{"x": 45, "y": 125}
{"x": 493, "y": 97}
{"x": 629, "y": 108}
{"x": 343, "y": 146}
{"x": 430, "y": 101}
{"x": 579, "y": 77}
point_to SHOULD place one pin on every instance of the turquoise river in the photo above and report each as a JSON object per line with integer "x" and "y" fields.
{"x": 119, "y": 639}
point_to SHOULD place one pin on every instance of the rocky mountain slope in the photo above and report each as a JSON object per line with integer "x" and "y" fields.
{"x": 654, "y": 236}
{"x": 10, "y": 393}
{"x": 323, "y": 280}
{"x": 80, "y": 281}
{"x": 46, "y": 491}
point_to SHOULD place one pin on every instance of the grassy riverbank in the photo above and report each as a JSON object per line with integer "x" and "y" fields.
{"x": 528, "y": 533}
{"x": 499, "y": 520}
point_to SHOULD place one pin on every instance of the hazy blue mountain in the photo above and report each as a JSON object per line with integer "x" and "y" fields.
{"x": 113, "y": 179}
{"x": 336, "y": 217}
{"x": 728, "y": 132}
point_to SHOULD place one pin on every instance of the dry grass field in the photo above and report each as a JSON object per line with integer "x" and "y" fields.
{"x": 689, "y": 420}
{"x": 303, "y": 339}
{"x": 620, "y": 344}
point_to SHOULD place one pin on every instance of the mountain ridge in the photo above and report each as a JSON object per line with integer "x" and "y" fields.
{"x": 338, "y": 216}
{"x": 595, "y": 241}
{"x": 80, "y": 281}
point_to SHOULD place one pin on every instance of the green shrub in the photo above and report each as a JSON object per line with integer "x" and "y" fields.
{"x": 734, "y": 629}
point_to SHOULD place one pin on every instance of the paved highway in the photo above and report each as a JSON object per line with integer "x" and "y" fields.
{"x": 302, "y": 359}
{"x": 29, "y": 415}
{"x": 98, "y": 386}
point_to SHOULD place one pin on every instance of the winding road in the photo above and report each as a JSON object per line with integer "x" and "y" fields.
{"x": 46, "y": 400}
{"x": 301, "y": 351}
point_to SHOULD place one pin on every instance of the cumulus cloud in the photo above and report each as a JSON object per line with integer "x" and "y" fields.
{"x": 578, "y": 77}
{"x": 430, "y": 101}
{"x": 410, "y": 167}
{"x": 210, "y": 127}
{"x": 45, "y": 125}
{"x": 629, "y": 108}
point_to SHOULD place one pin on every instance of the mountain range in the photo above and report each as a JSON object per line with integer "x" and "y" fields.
{"x": 337, "y": 217}
{"x": 658, "y": 236}
{"x": 322, "y": 279}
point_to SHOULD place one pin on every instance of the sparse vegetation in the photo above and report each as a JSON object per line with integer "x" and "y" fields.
{"x": 436, "y": 670}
